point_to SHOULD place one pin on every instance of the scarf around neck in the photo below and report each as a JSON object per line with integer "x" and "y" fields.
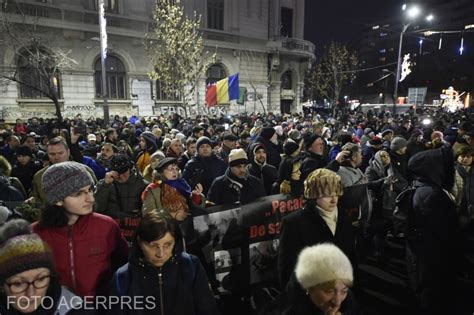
{"x": 180, "y": 185}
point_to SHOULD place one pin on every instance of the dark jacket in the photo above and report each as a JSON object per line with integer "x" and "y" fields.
{"x": 203, "y": 170}
{"x": 119, "y": 200}
{"x": 183, "y": 160}
{"x": 228, "y": 189}
{"x": 400, "y": 171}
{"x": 184, "y": 286}
{"x": 267, "y": 173}
{"x": 306, "y": 228}
{"x": 313, "y": 161}
{"x": 25, "y": 173}
{"x": 433, "y": 232}
{"x": 285, "y": 171}
{"x": 273, "y": 155}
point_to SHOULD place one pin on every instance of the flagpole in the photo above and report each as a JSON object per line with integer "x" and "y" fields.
{"x": 103, "y": 55}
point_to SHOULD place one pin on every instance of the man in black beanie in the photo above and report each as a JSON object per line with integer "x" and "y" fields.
{"x": 268, "y": 138}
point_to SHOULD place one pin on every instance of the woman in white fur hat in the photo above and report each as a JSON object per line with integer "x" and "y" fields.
{"x": 321, "y": 282}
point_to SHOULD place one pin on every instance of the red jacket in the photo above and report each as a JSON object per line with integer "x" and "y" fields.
{"x": 87, "y": 254}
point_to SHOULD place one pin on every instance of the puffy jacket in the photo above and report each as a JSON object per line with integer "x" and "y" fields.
{"x": 179, "y": 287}
{"x": 203, "y": 170}
{"x": 97, "y": 249}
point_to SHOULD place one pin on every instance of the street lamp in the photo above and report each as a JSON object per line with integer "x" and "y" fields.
{"x": 411, "y": 13}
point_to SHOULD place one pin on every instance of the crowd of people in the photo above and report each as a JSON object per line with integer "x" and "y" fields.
{"x": 86, "y": 177}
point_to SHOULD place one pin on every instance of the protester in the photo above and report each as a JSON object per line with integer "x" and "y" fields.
{"x": 87, "y": 247}
{"x": 25, "y": 167}
{"x": 29, "y": 282}
{"x": 173, "y": 281}
{"x": 236, "y": 185}
{"x": 150, "y": 168}
{"x": 320, "y": 221}
{"x": 268, "y": 138}
{"x": 188, "y": 154}
{"x": 259, "y": 168}
{"x": 148, "y": 146}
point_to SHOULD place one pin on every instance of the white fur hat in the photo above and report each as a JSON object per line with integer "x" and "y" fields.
{"x": 322, "y": 263}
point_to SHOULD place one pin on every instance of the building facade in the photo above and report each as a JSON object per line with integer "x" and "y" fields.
{"x": 262, "y": 40}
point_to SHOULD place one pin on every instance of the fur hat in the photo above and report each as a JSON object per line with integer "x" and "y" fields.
{"x": 397, "y": 143}
{"x": 201, "y": 141}
{"x": 64, "y": 179}
{"x": 267, "y": 133}
{"x": 237, "y": 156}
{"x": 322, "y": 182}
{"x": 22, "y": 250}
{"x": 322, "y": 263}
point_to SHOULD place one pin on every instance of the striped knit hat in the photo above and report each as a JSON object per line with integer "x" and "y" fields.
{"x": 64, "y": 179}
{"x": 22, "y": 250}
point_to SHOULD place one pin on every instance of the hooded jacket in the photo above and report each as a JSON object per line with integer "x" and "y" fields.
{"x": 179, "y": 287}
{"x": 273, "y": 154}
{"x": 267, "y": 173}
{"x": 433, "y": 235}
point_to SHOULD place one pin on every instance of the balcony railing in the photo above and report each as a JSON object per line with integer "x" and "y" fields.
{"x": 292, "y": 45}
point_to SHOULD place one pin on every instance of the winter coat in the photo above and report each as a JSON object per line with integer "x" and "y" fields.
{"x": 432, "y": 235}
{"x": 273, "y": 154}
{"x": 313, "y": 161}
{"x": 267, "y": 173}
{"x": 228, "y": 189}
{"x": 306, "y": 228}
{"x": 26, "y": 172}
{"x": 179, "y": 287}
{"x": 9, "y": 191}
{"x": 183, "y": 159}
{"x": 400, "y": 171}
{"x": 203, "y": 170}
{"x": 97, "y": 249}
{"x": 120, "y": 200}
{"x": 367, "y": 153}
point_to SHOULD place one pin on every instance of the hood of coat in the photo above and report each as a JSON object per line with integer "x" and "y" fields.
{"x": 434, "y": 166}
{"x": 251, "y": 153}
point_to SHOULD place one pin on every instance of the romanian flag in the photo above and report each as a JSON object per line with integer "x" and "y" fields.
{"x": 223, "y": 91}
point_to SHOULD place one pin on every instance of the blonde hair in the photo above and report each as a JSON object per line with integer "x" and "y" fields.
{"x": 322, "y": 182}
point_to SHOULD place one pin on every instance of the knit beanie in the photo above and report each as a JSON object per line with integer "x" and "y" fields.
{"x": 201, "y": 141}
{"x": 386, "y": 132}
{"x": 322, "y": 263}
{"x": 267, "y": 133}
{"x": 25, "y": 151}
{"x": 64, "y": 179}
{"x": 322, "y": 182}
{"x": 22, "y": 250}
{"x": 398, "y": 143}
{"x": 237, "y": 156}
{"x": 309, "y": 139}
{"x": 290, "y": 147}
{"x": 150, "y": 140}
{"x": 416, "y": 132}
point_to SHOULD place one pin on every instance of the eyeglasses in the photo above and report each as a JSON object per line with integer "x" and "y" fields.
{"x": 20, "y": 287}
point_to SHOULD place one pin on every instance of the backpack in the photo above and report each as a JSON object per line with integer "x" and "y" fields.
{"x": 403, "y": 213}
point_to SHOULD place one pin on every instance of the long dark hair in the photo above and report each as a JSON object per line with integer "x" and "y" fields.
{"x": 53, "y": 216}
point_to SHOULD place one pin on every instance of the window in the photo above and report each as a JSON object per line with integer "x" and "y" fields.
{"x": 287, "y": 81}
{"x": 116, "y": 78}
{"x": 215, "y": 73}
{"x": 162, "y": 96}
{"x": 35, "y": 69}
{"x": 215, "y": 14}
{"x": 110, "y": 6}
{"x": 286, "y": 27}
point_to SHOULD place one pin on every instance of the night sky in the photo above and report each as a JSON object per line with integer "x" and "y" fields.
{"x": 342, "y": 20}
